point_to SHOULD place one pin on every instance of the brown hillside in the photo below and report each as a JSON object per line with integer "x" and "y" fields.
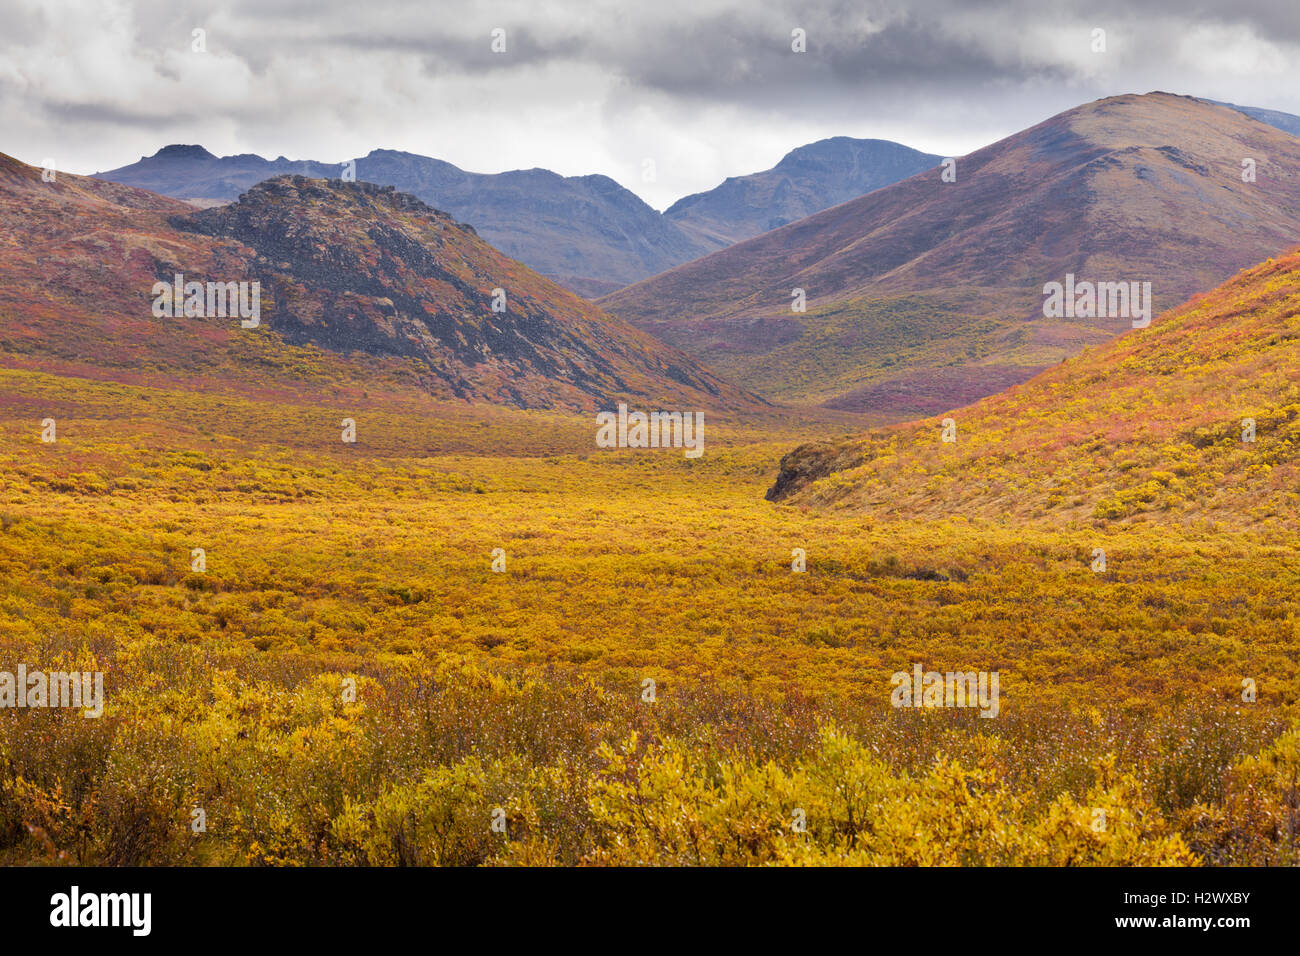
{"x": 356, "y": 281}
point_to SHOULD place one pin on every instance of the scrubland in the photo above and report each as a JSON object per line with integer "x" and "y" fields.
{"x": 1122, "y": 736}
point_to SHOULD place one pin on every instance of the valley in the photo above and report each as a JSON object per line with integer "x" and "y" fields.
{"x": 441, "y": 581}
{"x": 373, "y": 562}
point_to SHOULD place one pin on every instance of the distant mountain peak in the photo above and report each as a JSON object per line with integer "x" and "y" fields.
{"x": 832, "y": 144}
{"x": 179, "y": 151}
{"x": 1286, "y": 122}
{"x": 807, "y": 180}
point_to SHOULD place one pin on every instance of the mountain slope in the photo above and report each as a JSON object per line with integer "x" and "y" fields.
{"x": 926, "y": 294}
{"x": 806, "y": 180}
{"x": 1286, "y": 122}
{"x": 356, "y": 280}
{"x": 1148, "y": 427}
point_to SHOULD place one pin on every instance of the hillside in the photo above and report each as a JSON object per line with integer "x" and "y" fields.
{"x": 357, "y": 283}
{"x": 806, "y": 180}
{"x": 1148, "y": 427}
{"x": 1286, "y": 122}
{"x": 927, "y": 294}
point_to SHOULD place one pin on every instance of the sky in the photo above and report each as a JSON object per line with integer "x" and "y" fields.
{"x": 668, "y": 97}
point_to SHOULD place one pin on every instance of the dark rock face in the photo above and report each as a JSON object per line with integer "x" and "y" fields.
{"x": 806, "y": 464}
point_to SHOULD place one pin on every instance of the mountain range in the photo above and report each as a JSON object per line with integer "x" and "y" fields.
{"x": 1286, "y": 122}
{"x": 928, "y": 294}
{"x": 922, "y": 295}
{"x": 586, "y": 232}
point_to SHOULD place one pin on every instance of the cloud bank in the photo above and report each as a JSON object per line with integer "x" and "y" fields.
{"x": 706, "y": 88}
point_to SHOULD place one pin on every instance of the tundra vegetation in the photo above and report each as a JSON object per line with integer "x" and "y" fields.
{"x": 349, "y": 682}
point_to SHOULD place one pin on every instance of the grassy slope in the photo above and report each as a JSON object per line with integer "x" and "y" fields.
{"x": 522, "y": 689}
{"x": 1146, "y": 428}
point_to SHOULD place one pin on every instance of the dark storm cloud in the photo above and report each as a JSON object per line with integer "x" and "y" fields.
{"x": 729, "y": 57}
{"x": 98, "y": 114}
{"x": 725, "y": 50}
{"x": 469, "y": 54}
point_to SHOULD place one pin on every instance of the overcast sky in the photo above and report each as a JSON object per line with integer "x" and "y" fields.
{"x": 704, "y": 88}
